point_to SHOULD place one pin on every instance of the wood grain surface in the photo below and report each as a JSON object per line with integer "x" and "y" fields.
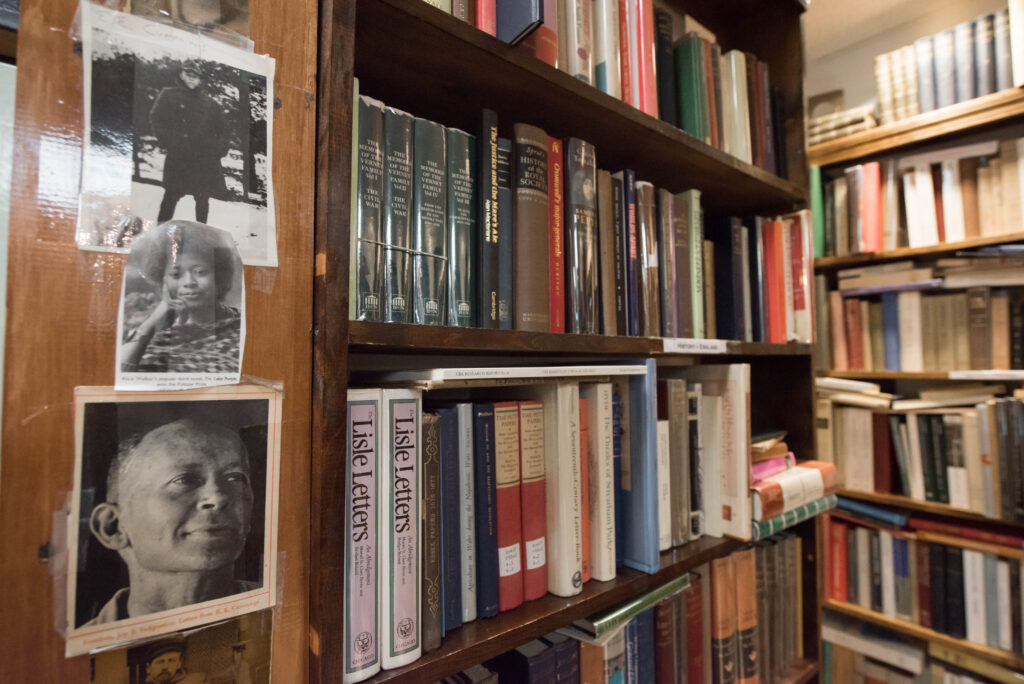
{"x": 62, "y": 313}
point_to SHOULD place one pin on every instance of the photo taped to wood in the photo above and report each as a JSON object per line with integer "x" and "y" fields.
{"x": 181, "y": 323}
{"x": 174, "y": 511}
{"x": 177, "y": 125}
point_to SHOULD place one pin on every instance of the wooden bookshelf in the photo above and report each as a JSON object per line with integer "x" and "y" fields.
{"x": 978, "y": 375}
{"x": 932, "y": 251}
{"x": 964, "y": 117}
{"x": 802, "y": 672}
{"x": 396, "y": 38}
{"x": 940, "y": 509}
{"x": 486, "y": 638}
{"x": 995, "y": 655}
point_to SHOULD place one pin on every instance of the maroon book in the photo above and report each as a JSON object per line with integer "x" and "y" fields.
{"x": 664, "y": 642}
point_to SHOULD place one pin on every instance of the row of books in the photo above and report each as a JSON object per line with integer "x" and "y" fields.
{"x": 658, "y": 60}
{"x": 970, "y": 60}
{"x": 860, "y": 652}
{"x": 957, "y": 580}
{"x": 555, "y": 244}
{"x": 977, "y": 329}
{"x": 839, "y": 124}
{"x": 539, "y": 488}
{"x": 951, "y": 195}
{"x": 969, "y": 458}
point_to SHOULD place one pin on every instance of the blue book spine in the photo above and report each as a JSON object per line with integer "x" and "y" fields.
{"x": 963, "y": 58}
{"x": 620, "y": 520}
{"x": 632, "y": 255}
{"x": 632, "y": 653}
{"x": 925, "y": 60}
{"x": 517, "y": 20}
{"x": 645, "y": 645}
{"x": 640, "y": 498}
{"x": 505, "y": 245}
{"x": 891, "y": 330}
{"x": 484, "y": 496}
{"x": 869, "y": 511}
{"x": 451, "y": 546}
{"x": 901, "y": 573}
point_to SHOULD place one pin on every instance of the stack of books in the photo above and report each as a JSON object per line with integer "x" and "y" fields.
{"x": 839, "y": 124}
{"x": 950, "y": 195}
{"x": 972, "y": 59}
{"x": 528, "y": 233}
{"x": 958, "y": 580}
{"x": 657, "y": 59}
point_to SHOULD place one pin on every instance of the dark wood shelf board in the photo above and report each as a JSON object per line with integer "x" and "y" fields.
{"x": 940, "y": 509}
{"x": 801, "y": 672}
{"x": 995, "y": 655}
{"x": 1001, "y": 107}
{"x": 941, "y": 249}
{"x": 472, "y": 70}
{"x": 482, "y": 639}
{"x": 886, "y": 375}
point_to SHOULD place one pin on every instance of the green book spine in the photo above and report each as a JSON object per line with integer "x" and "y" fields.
{"x": 688, "y": 72}
{"x": 396, "y": 211}
{"x": 924, "y": 431}
{"x": 605, "y": 622}
{"x": 367, "y": 258}
{"x": 460, "y": 157}
{"x": 940, "y": 458}
{"x": 817, "y": 212}
{"x": 766, "y": 528}
{"x": 429, "y": 261}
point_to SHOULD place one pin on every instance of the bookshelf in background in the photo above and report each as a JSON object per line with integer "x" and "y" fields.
{"x": 413, "y": 57}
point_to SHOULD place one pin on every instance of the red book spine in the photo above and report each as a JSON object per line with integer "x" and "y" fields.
{"x": 543, "y": 42}
{"x": 968, "y": 532}
{"x": 585, "y": 485}
{"x": 487, "y": 16}
{"x": 508, "y": 504}
{"x": 695, "y": 631}
{"x": 648, "y": 86}
{"x": 838, "y": 586}
{"x": 798, "y": 272}
{"x": 556, "y": 242}
{"x": 709, "y": 74}
{"x": 534, "y": 505}
{"x": 624, "y": 62}
{"x": 940, "y": 219}
{"x": 871, "y": 207}
{"x": 664, "y": 642}
{"x": 776, "y": 304}
{"x": 854, "y": 338}
{"x": 882, "y": 451}
{"x": 924, "y": 584}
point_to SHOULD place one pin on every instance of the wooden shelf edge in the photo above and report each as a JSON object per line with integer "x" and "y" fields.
{"x": 801, "y": 672}
{"x": 995, "y": 655}
{"x": 851, "y": 260}
{"x": 1005, "y": 105}
{"x": 967, "y": 375}
{"x": 483, "y": 639}
{"x": 931, "y": 507}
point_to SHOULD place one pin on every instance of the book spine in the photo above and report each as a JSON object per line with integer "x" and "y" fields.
{"x": 648, "y": 85}
{"x": 640, "y": 495}
{"x": 746, "y": 616}
{"x": 625, "y": 58}
{"x": 666, "y": 67}
{"x": 694, "y": 630}
{"x": 487, "y": 16}
{"x": 368, "y": 258}
{"x": 963, "y": 59}
{"x": 607, "y": 75}
{"x": 451, "y": 524}
{"x": 562, "y": 477}
{"x": 582, "y": 312}
{"x": 956, "y": 620}
{"x": 945, "y": 69}
{"x": 506, "y": 276}
{"x": 980, "y": 345}
{"x": 400, "y": 515}
{"x": 543, "y": 42}
{"x": 432, "y": 618}
{"x": 620, "y": 444}
{"x": 602, "y": 481}
{"x": 461, "y": 235}
{"x": 838, "y": 572}
{"x": 679, "y": 463}
{"x": 556, "y": 236}
{"x": 766, "y": 528}
{"x": 397, "y": 208}
{"x": 771, "y": 164}
{"x": 508, "y": 493}
{"x": 666, "y": 264}
{"x": 620, "y": 250}
{"x": 487, "y": 221}
{"x": 633, "y": 248}
{"x": 533, "y": 504}
{"x": 467, "y": 511}
{"x": 606, "y": 254}
{"x": 665, "y": 640}
{"x": 362, "y": 539}
{"x": 696, "y": 463}
{"x": 430, "y": 258}
{"x": 647, "y": 248}
{"x": 681, "y": 234}
{"x": 664, "y": 488}
{"x": 984, "y": 55}
{"x": 723, "y": 621}
{"x": 584, "y": 533}
{"x": 689, "y": 78}
{"x": 738, "y": 266}
{"x": 875, "y": 546}
{"x": 486, "y": 524}
{"x": 578, "y": 34}
{"x": 533, "y": 235}
{"x": 645, "y": 646}
{"x": 1001, "y": 47}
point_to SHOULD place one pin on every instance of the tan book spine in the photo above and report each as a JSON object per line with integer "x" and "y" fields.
{"x": 865, "y": 334}
{"x": 531, "y": 229}
{"x": 945, "y": 352}
{"x": 840, "y": 360}
{"x": 746, "y": 616}
{"x": 591, "y": 664}
{"x": 710, "y": 324}
{"x": 929, "y": 335}
{"x": 606, "y": 252}
{"x": 999, "y": 330}
{"x": 1010, "y": 185}
{"x": 647, "y": 244}
{"x": 723, "y": 619}
{"x": 969, "y": 197}
{"x": 978, "y": 331}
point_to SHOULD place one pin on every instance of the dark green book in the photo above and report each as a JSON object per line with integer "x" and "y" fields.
{"x": 939, "y": 457}
{"x": 487, "y": 221}
{"x": 692, "y": 87}
{"x": 582, "y": 313}
{"x": 461, "y": 215}
{"x": 429, "y": 253}
{"x": 397, "y": 212}
{"x": 924, "y": 431}
{"x": 368, "y": 262}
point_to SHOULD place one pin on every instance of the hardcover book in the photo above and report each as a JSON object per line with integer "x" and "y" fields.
{"x": 432, "y": 618}
{"x": 534, "y": 499}
{"x": 487, "y": 221}
{"x": 556, "y": 236}
{"x": 582, "y": 302}
{"x": 485, "y": 497}
{"x": 667, "y": 264}
{"x": 461, "y": 158}
{"x": 506, "y": 248}
{"x": 723, "y": 620}
{"x": 467, "y": 510}
{"x": 368, "y": 259}
{"x": 397, "y": 214}
{"x": 451, "y": 523}
{"x": 606, "y": 255}
{"x": 532, "y": 232}
{"x": 508, "y": 492}
{"x": 647, "y": 268}
{"x": 429, "y": 253}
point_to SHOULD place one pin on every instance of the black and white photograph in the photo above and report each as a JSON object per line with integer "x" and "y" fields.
{"x": 177, "y": 126}
{"x": 233, "y": 652}
{"x": 181, "y": 323}
{"x": 173, "y": 513}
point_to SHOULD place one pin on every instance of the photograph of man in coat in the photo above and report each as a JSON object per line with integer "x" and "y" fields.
{"x": 189, "y": 125}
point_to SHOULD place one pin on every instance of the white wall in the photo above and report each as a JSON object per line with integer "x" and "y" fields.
{"x": 852, "y": 68}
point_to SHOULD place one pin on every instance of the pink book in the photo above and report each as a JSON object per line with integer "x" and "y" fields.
{"x": 765, "y": 469}
{"x": 871, "y": 207}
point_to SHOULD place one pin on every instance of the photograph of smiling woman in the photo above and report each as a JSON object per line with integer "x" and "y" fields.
{"x": 173, "y": 510}
{"x": 182, "y": 309}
